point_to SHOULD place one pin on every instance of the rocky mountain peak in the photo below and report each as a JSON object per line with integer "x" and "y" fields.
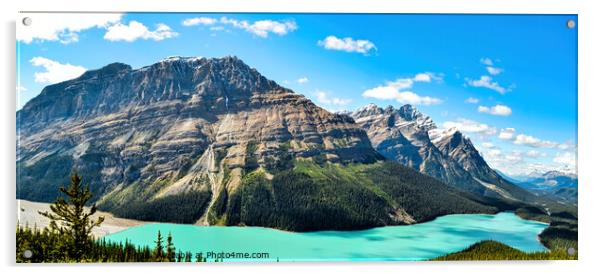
{"x": 390, "y": 110}
{"x": 114, "y": 87}
{"x": 189, "y": 121}
{"x": 402, "y": 134}
{"x": 406, "y": 115}
{"x": 408, "y": 110}
{"x": 178, "y": 58}
{"x": 452, "y": 142}
{"x": 438, "y": 134}
{"x": 106, "y": 71}
{"x": 367, "y": 111}
{"x": 410, "y": 113}
{"x": 454, "y": 138}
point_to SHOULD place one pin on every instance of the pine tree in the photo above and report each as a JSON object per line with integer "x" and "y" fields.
{"x": 170, "y": 254}
{"x": 188, "y": 257}
{"x": 180, "y": 256}
{"x": 199, "y": 257}
{"x": 70, "y": 216}
{"x": 158, "y": 253}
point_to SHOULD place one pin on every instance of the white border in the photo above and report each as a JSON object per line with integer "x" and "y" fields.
{"x": 589, "y": 23}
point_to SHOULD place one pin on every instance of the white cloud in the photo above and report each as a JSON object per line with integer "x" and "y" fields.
{"x": 568, "y": 159}
{"x": 21, "y": 89}
{"x": 514, "y": 156}
{"x": 303, "y": 80}
{"x": 54, "y": 71}
{"x": 512, "y": 163}
{"x": 488, "y": 145}
{"x": 405, "y": 97}
{"x": 469, "y": 126}
{"x": 347, "y": 44}
{"x": 217, "y": 28}
{"x": 408, "y": 97}
{"x": 534, "y": 142}
{"x": 497, "y": 156}
{"x": 325, "y": 98}
{"x": 563, "y": 146}
{"x": 422, "y": 77}
{"x": 382, "y": 92}
{"x": 401, "y": 84}
{"x": 136, "y": 30}
{"x": 489, "y": 66}
{"x": 535, "y": 154}
{"x": 487, "y": 82}
{"x": 427, "y": 77}
{"x": 262, "y": 28}
{"x": 494, "y": 153}
{"x": 493, "y": 70}
{"x": 507, "y": 133}
{"x": 524, "y": 168}
{"x": 63, "y": 28}
{"x": 567, "y": 145}
{"x": 199, "y": 21}
{"x": 524, "y": 163}
{"x": 398, "y": 90}
{"x": 497, "y": 110}
{"x": 472, "y": 100}
{"x": 486, "y": 61}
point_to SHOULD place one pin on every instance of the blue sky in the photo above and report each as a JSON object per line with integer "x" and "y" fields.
{"x": 508, "y": 82}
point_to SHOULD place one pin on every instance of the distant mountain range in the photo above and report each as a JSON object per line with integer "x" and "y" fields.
{"x": 554, "y": 184}
{"x": 212, "y": 141}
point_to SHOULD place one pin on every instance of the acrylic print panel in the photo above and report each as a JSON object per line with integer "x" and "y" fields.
{"x": 147, "y": 137}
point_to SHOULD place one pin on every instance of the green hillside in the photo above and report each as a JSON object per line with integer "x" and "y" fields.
{"x": 495, "y": 251}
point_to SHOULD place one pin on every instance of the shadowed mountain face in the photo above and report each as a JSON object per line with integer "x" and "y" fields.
{"x": 208, "y": 136}
{"x": 403, "y": 135}
{"x": 461, "y": 150}
{"x": 406, "y": 136}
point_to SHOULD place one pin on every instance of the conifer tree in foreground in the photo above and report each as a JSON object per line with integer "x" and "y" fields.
{"x": 170, "y": 249}
{"x": 69, "y": 238}
{"x": 159, "y": 248}
{"x": 199, "y": 257}
{"x": 188, "y": 257}
{"x": 70, "y": 216}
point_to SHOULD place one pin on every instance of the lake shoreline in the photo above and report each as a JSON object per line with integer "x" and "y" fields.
{"x": 27, "y": 215}
{"x": 424, "y": 241}
{"x": 113, "y": 227}
{"x": 114, "y": 224}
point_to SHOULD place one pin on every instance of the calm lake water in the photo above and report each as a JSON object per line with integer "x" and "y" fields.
{"x": 423, "y": 241}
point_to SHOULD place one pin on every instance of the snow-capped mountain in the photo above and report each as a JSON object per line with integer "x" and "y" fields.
{"x": 412, "y": 139}
{"x": 212, "y": 141}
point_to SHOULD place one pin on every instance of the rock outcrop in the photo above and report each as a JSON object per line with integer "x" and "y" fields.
{"x": 412, "y": 139}
{"x": 182, "y": 121}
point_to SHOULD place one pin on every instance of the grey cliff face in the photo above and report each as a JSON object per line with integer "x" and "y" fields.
{"x": 403, "y": 135}
{"x": 197, "y": 130}
{"x": 461, "y": 150}
{"x": 183, "y": 120}
{"x": 407, "y": 136}
{"x": 116, "y": 87}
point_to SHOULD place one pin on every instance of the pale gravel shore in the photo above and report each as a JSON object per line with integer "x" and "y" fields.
{"x": 27, "y": 214}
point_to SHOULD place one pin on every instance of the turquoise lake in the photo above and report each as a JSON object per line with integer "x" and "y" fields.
{"x": 423, "y": 241}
